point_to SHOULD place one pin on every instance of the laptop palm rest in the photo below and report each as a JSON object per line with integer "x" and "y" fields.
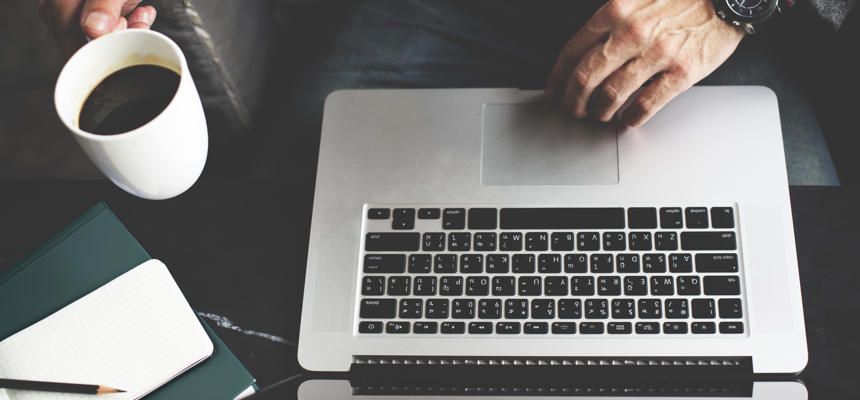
{"x": 541, "y": 144}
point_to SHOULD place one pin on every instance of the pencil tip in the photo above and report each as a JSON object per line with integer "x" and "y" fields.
{"x": 108, "y": 389}
{"x": 120, "y": 391}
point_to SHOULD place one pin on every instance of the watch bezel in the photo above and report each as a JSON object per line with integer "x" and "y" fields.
{"x": 764, "y": 15}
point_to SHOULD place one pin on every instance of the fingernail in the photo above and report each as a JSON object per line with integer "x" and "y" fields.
{"x": 98, "y": 21}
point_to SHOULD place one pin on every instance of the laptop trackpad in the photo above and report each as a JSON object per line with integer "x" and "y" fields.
{"x": 540, "y": 144}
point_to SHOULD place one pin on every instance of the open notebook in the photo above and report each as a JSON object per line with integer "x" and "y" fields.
{"x": 135, "y": 333}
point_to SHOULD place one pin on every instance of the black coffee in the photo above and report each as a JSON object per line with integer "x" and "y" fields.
{"x": 127, "y": 99}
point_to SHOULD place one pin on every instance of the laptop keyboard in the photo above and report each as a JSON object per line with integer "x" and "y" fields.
{"x": 615, "y": 271}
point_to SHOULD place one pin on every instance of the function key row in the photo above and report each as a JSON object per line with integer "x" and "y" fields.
{"x": 561, "y": 218}
{"x": 558, "y": 328}
{"x": 526, "y": 263}
{"x": 555, "y": 241}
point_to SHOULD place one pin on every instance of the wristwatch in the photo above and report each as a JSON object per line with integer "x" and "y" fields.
{"x": 747, "y": 14}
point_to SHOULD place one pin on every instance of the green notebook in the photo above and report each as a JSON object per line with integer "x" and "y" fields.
{"x": 82, "y": 257}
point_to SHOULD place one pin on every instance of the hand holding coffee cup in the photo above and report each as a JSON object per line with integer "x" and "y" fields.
{"x": 129, "y": 101}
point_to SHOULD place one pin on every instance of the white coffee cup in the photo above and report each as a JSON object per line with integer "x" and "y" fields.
{"x": 160, "y": 159}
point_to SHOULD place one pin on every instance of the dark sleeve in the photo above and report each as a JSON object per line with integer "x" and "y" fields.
{"x": 832, "y": 11}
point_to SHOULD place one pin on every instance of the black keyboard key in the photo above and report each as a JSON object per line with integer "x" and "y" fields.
{"x": 722, "y": 217}
{"x": 529, "y": 286}
{"x": 482, "y": 218}
{"x": 373, "y": 285}
{"x": 549, "y": 263}
{"x": 463, "y": 308}
{"x": 675, "y": 327}
{"x": 563, "y": 328}
{"x": 516, "y": 308}
{"x": 609, "y": 285}
{"x": 410, "y": 309}
{"x": 703, "y": 308}
{"x": 627, "y": 263}
{"x": 471, "y": 264}
{"x": 403, "y": 218}
{"x": 445, "y": 263}
{"x": 635, "y": 285}
{"x": 562, "y": 218}
{"x": 601, "y": 263}
{"x": 653, "y": 263}
{"x": 537, "y": 241}
{"x": 575, "y": 263}
{"x": 429, "y": 213}
{"x": 677, "y": 309}
{"x": 619, "y": 328}
{"x": 384, "y": 263}
{"x": 641, "y": 217}
{"x": 433, "y": 241}
{"x": 484, "y": 241}
{"x": 562, "y": 241}
{"x": 489, "y": 309}
{"x": 708, "y": 241}
{"x": 703, "y": 327}
{"x": 697, "y": 217}
{"x": 587, "y": 241}
{"x": 543, "y": 309}
{"x": 477, "y": 286}
{"x": 424, "y": 285}
{"x": 716, "y": 262}
{"x": 398, "y": 285}
{"x": 377, "y": 308}
{"x": 370, "y": 327}
{"x": 591, "y": 328}
{"x": 480, "y": 328}
{"x": 454, "y": 218}
{"x": 378, "y": 213}
{"x": 397, "y": 327}
{"x": 666, "y": 241}
{"x": 670, "y": 218}
{"x": 650, "y": 308}
{"x": 420, "y": 264}
{"x": 510, "y": 241}
{"x": 459, "y": 241}
{"x": 504, "y": 286}
{"x": 453, "y": 327}
{"x": 596, "y": 308}
{"x": 732, "y": 327}
{"x": 425, "y": 327}
{"x": 570, "y": 309}
{"x": 647, "y": 328}
{"x": 722, "y": 285}
{"x": 614, "y": 241}
{"x": 535, "y": 328}
{"x": 436, "y": 308}
{"x": 508, "y": 328}
{"x": 662, "y": 286}
{"x": 396, "y": 241}
{"x": 680, "y": 262}
{"x": 451, "y": 286}
{"x": 639, "y": 241}
{"x": 523, "y": 263}
{"x": 623, "y": 308}
{"x": 555, "y": 286}
{"x": 498, "y": 263}
{"x": 730, "y": 308}
{"x": 582, "y": 286}
{"x": 688, "y": 285}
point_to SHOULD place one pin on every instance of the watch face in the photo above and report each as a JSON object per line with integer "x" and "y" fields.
{"x": 752, "y": 10}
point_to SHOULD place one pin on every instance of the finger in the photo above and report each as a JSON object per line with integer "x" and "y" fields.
{"x": 128, "y": 7}
{"x": 585, "y": 39}
{"x": 99, "y": 17}
{"x": 122, "y": 24}
{"x": 594, "y": 68}
{"x": 654, "y": 97}
{"x": 615, "y": 91}
{"x": 141, "y": 18}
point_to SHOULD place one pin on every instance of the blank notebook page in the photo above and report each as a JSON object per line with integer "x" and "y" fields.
{"x": 135, "y": 333}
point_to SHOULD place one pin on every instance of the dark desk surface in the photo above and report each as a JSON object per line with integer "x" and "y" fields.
{"x": 237, "y": 249}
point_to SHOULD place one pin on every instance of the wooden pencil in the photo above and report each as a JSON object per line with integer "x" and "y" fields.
{"x": 57, "y": 387}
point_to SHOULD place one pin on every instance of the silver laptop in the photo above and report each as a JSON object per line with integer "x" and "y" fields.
{"x": 485, "y": 227}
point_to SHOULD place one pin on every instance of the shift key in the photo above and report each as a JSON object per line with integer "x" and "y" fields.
{"x": 722, "y": 240}
{"x": 394, "y": 241}
{"x": 377, "y": 308}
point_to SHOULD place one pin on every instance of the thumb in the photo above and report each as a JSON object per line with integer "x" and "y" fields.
{"x": 99, "y": 17}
